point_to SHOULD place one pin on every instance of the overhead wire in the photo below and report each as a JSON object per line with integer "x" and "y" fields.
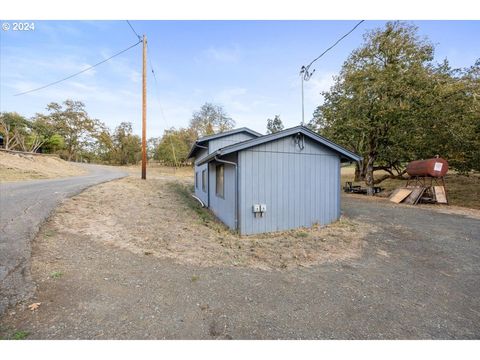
{"x": 152, "y": 71}
{"x": 156, "y": 88}
{"x": 131, "y": 27}
{"x": 161, "y": 107}
{"x": 80, "y": 72}
{"x": 305, "y": 70}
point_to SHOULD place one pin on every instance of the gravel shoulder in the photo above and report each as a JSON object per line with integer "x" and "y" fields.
{"x": 411, "y": 274}
{"x": 24, "y": 206}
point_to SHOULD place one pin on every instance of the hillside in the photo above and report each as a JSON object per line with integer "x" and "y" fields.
{"x": 19, "y": 166}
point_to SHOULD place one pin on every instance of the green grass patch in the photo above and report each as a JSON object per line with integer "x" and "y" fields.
{"x": 301, "y": 234}
{"x": 49, "y": 233}
{"x": 20, "y": 335}
{"x": 56, "y": 274}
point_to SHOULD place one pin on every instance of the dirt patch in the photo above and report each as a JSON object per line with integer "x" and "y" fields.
{"x": 452, "y": 210}
{"x": 158, "y": 218}
{"x": 16, "y": 167}
{"x": 444, "y": 209}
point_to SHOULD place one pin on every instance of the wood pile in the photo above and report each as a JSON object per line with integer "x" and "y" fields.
{"x": 412, "y": 195}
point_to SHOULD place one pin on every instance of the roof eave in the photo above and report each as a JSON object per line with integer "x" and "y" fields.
{"x": 192, "y": 150}
{"x": 227, "y": 133}
{"x": 217, "y": 136}
{"x": 344, "y": 153}
{"x": 209, "y": 157}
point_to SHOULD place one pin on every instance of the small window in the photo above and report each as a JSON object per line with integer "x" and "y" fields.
{"x": 219, "y": 183}
{"x": 204, "y": 180}
{"x": 196, "y": 179}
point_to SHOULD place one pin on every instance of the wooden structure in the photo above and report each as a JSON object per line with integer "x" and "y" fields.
{"x": 424, "y": 189}
{"x": 426, "y": 183}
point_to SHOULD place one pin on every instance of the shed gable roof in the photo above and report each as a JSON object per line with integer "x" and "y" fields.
{"x": 199, "y": 143}
{"x": 344, "y": 153}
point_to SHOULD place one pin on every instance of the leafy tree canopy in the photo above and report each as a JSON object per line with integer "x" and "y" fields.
{"x": 211, "y": 119}
{"x": 274, "y": 125}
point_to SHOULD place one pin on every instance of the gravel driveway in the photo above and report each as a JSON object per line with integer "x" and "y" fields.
{"x": 418, "y": 278}
{"x": 24, "y": 206}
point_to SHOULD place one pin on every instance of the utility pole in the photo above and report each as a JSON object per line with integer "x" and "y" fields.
{"x": 305, "y": 74}
{"x": 144, "y": 110}
{"x": 303, "y": 104}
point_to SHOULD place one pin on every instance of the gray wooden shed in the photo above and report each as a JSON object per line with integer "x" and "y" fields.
{"x": 276, "y": 182}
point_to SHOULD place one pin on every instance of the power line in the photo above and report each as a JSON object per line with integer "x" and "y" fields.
{"x": 131, "y": 27}
{"x": 156, "y": 88}
{"x": 161, "y": 107}
{"x": 305, "y": 69}
{"x": 153, "y": 73}
{"x": 151, "y": 69}
{"x": 80, "y": 72}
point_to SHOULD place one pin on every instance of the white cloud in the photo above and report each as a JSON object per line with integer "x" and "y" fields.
{"x": 231, "y": 99}
{"x": 223, "y": 54}
{"x": 320, "y": 81}
{"x": 316, "y": 85}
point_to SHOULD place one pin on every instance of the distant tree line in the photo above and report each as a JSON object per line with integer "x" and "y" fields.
{"x": 67, "y": 130}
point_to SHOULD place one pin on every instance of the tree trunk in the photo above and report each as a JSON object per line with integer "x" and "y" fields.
{"x": 6, "y": 141}
{"x": 369, "y": 180}
{"x": 359, "y": 172}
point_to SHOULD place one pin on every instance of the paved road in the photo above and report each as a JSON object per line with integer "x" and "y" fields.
{"x": 23, "y": 208}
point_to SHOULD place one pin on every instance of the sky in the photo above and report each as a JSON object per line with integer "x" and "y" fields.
{"x": 251, "y": 68}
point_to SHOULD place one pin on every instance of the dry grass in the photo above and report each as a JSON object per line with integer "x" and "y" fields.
{"x": 157, "y": 217}
{"x": 463, "y": 191}
{"x": 16, "y": 167}
{"x": 156, "y": 171}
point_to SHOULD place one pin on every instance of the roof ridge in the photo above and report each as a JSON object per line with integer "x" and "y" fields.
{"x": 228, "y": 132}
{"x": 286, "y": 132}
{"x": 220, "y": 135}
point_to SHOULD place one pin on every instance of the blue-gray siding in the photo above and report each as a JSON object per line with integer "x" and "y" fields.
{"x": 299, "y": 187}
{"x": 202, "y": 195}
{"x": 228, "y": 140}
{"x": 223, "y": 208}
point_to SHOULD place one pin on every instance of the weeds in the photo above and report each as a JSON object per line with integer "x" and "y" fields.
{"x": 301, "y": 234}
{"x": 49, "y": 233}
{"x": 56, "y": 274}
{"x": 345, "y": 223}
{"x": 20, "y": 335}
{"x": 185, "y": 192}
